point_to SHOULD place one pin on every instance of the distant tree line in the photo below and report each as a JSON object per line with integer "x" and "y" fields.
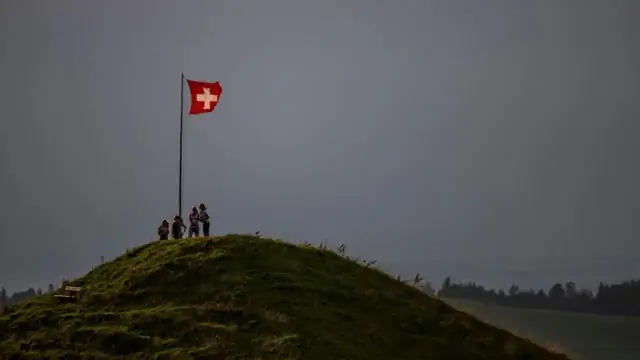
{"x": 16, "y": 297}
{"x": 613, "y": 299}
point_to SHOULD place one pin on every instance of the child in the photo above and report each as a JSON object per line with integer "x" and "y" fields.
{"x": 163, "y": 230}
{"x": 194, "y": 226}
{"x": 204, "y": 218}
{"x": 177, "y": 227}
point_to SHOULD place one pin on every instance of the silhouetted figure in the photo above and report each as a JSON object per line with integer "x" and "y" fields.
{"x": 163, "y": 230}
{"x": 3, "y": 300}
{"x": 204, "y": 218}
{"x": 177, "y": 228}
{"x": 194, "y": 225}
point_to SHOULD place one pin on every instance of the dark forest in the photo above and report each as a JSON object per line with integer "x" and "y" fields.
{"x": 608, "y": 299}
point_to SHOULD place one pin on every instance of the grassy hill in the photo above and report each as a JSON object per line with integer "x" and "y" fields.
{"x": 240, "y": 297}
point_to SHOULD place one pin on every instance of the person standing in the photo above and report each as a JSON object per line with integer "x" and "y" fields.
{"x": 194, "y": 225}
{"x": 163, "y": 230}
{"x": 177, "y": 228}
{"x": 204, "y": 218}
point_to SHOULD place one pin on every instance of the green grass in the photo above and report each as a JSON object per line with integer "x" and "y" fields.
{"x": 583, "y": 336}
{"x": 241, "y": 297}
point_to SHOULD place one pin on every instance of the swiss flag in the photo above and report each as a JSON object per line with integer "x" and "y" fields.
{"x": 204, "y": 96}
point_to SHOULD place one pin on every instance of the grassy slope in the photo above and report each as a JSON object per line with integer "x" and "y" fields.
{"x": 239, "y": 297}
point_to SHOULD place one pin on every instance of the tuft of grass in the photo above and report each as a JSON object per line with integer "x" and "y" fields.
{"x": 247, "y": 297}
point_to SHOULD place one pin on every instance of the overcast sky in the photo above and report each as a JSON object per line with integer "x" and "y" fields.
{"x": 494, "y": 141}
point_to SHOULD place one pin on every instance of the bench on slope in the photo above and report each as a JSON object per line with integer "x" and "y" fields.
{"x": 69, "y": 294}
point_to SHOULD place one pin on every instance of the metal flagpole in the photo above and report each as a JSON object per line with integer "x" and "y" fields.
{"x": 180, "y": 166}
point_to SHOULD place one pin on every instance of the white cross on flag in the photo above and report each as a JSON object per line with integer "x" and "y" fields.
{"x": 204, "y": 96}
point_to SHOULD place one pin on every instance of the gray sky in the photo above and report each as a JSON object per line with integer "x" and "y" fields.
{"x": 491, "y": 141}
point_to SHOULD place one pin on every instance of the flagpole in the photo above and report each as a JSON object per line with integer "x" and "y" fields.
{"x": 180, "y": 161}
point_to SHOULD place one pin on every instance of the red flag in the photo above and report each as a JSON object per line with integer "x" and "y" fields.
{"x": 204, "y": 96}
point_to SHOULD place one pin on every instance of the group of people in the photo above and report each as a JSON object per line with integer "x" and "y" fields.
{"x": 198, "y": 215}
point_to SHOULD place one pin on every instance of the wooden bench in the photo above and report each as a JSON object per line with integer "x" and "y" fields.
{"x": 69, "y": 294}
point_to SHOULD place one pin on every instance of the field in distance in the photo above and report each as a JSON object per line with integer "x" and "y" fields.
{"x": 581, "y": 336}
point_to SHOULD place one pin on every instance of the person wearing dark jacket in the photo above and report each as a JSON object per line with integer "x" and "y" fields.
{"x": 204, "y": 218}
{"x": 177, "y": 228}
{"x": 163, "y": 230}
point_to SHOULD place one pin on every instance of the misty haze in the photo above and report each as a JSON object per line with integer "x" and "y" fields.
{"x": 492, "y": 142}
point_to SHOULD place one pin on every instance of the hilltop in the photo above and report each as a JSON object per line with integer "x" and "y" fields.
{"x": 241, "y": 297}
